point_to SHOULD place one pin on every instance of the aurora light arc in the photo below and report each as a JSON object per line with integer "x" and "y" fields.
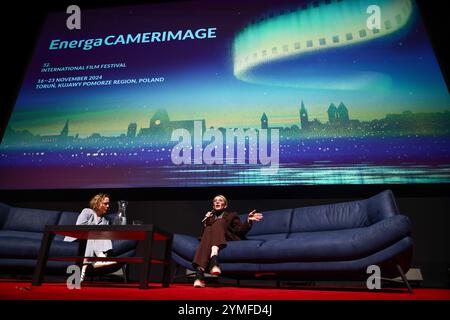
{"x": 297, "y": 32}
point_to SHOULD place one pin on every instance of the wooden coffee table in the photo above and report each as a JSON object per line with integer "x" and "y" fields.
{"x": 145, "y": 233}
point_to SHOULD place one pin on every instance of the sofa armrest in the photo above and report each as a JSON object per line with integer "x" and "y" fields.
{"x": 394, "y": 228}
{"x": 381, "y": 206}
{"x": 4, "y": 213}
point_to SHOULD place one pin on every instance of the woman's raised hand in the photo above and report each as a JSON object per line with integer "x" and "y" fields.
{"x": 255, "y": 216}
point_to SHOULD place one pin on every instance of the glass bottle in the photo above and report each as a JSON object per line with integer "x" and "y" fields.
{"x": 121, "y": 218}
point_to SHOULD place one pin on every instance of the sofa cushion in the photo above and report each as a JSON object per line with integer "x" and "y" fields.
{"x": 68, "y": 218}
{"x": 276, "y": 221}
{"x": 185, "y": 246}
{"x": 333, "y": 245}
{"x": 23, "y": 219}
{"x": 401, "y": 250}
{"x": 243, "y": 250}
{"x": 63, "y": 249}
{"x": 330, "y": 245}
{"x": 21, "y": 234}
{"x": 121, "y": 246}
{"x": 346, "y": 215}
{"x": 4, "y": 212}
{"x": 272, "y": 236}
{"x": 18, "y": 246}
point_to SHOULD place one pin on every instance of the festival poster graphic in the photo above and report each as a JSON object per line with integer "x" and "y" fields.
{"x": 237, "y": 93}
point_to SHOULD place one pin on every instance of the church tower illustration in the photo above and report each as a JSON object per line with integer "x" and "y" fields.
{"x": 264, "y": 121}
{"x": 132, "y": 128}
{"x": 338, "y": 116}
{"x": 343, "y": 115}
{"x": 332, "y": 114}
{"x": 65, "y": 131}
{"x": 303, "y": 117}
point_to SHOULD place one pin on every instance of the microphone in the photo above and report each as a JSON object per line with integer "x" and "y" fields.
{"x": 213, "y": 211}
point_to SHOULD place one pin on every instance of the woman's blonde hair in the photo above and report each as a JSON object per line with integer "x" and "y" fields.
{"x": 223, "y": 198}
{"x": 97, "y": 200}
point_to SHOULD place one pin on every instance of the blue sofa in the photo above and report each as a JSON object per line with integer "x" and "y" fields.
{"x": 21, "y": 232}
{"x": 333, "y": 241}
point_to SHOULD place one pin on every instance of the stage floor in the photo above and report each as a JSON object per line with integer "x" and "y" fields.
{"x": 12, "y": 289}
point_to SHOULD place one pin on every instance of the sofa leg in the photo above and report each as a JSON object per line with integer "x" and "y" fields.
{"x": 124, "y": 273}
{"x": 176, "y": 273}
{"x": 174, "y": 270}
{"x": 403, "y": 276}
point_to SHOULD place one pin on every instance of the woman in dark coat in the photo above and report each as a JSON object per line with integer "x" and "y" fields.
{"x": 219, "y": 226}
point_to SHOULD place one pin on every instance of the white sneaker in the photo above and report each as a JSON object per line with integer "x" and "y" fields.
{"x": 199, "y": 283}
{"x": 100, "y": 254}
{"x": 216, "y": 271}
{"x": 101, "y": 264}
{"x": 83, "y": 272}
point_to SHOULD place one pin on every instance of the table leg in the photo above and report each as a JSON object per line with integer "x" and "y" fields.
{"x": 39, "y": 270}
{"x": 81, "y": 251}
{"x": 167, "y": 262}
{"x": 147, "y": 248}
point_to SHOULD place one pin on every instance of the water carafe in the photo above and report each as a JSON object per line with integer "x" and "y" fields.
{"x": 121, "y": 218}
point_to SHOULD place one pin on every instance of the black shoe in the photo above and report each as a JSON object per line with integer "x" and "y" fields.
{"x": 109, "y": 253}
{"x": 214, "y": 266}
{"x": 199, "y": 281}
{"x": 199, "y": 274}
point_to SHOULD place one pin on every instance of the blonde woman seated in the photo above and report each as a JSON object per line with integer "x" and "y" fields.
{"x": 95, "y": 215}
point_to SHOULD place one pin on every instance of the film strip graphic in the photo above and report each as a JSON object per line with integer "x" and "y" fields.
{"x": 315, "y": 26}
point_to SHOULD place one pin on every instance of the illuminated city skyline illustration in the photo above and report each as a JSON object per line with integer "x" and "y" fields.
{"x": 386, "y": 73}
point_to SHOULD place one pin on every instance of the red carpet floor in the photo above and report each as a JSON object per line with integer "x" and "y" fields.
{"x": 22, "y": 290}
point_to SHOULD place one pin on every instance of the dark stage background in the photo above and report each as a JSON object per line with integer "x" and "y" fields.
{"x": 180, "y": 210}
